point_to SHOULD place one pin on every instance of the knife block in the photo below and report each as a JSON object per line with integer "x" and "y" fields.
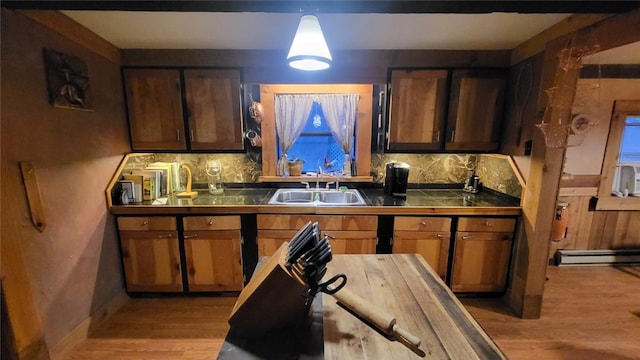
{"x": 273, "y": 299}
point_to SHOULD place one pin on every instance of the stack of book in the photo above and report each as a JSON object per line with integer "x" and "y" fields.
{"x": 157, "y": 180}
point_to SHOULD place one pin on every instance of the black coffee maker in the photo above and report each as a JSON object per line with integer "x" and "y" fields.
{"x": 396, "y": 179}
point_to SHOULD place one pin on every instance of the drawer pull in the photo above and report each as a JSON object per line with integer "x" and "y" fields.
{"x": 168, "y": 236}
{"x": 488, "y": 223}
{"x": 191, "y": 236}
{"x": 440, "y": 236}
{"x": 145, "y": 223}
{"x": 423, "y": 223}
{"x": 465, "y": 237}
{"x": 210, "y": 222}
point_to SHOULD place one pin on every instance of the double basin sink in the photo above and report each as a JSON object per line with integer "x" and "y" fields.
{"x": 317, "y": 197}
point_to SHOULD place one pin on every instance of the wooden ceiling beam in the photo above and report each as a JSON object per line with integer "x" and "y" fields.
{"x": 335, "y": 6}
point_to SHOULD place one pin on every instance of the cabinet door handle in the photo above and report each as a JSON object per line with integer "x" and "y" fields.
{"x": 178, "y": 134}
{"x": 191, "y": 133}
{"x": 191, "y": 236}
{"x": 438, "y": 136}
{"x": 168, "y": 236}
{"x": 453, "y": 134}
{"x": 465, "y": 237}
{"x": 440, "y": 236}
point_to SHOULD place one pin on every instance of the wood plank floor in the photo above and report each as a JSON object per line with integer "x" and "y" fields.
{"x": 588, "y": 313}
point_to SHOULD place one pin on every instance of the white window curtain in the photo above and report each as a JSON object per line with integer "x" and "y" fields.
{"x": 292, "y": 112}
{"x": 341, "y": 111}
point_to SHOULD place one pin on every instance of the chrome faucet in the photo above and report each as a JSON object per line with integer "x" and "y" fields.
{"x": 319, "y": 177}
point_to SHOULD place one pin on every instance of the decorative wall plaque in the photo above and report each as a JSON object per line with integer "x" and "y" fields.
{"x": 67, "y": 81}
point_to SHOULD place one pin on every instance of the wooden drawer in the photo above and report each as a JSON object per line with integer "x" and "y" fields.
{"x": 325, "y": 222}
{"x": 342, "y": 242}
{"x": 486, "y": 224}
{"x": 145, "y": 223}
{"x": 422, "y": 223}
{"x": 211, "y": 222}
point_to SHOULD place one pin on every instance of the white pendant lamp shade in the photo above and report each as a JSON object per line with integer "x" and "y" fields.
{"x": 309, "y": 50}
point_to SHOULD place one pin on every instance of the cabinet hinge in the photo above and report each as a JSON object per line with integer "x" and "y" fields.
{"x": 391, "y": 241}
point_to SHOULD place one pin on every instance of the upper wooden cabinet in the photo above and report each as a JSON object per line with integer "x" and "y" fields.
{"x": 154, "y": 104}
{"x": 157, "y": 114}
{"x": 419, "y": 118}
{"x": 417, "y": 109}
{"x": 213, "y": 109}
{"x": 476, "y": 110}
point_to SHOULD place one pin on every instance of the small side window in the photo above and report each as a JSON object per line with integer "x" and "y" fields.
{"x": 620, "y": 179}
{"x": 626, "y": 180}
{"x": 630, "y": 144}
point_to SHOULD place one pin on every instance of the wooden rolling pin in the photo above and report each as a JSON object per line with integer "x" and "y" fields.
{"x": 374, "y": 315}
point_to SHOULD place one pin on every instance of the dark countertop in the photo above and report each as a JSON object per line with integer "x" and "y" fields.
{"x": 254, "y": 200}
{"x": 440, "y": 197}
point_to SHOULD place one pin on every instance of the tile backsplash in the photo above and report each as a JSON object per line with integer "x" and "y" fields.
{"x": 495, "y": 171}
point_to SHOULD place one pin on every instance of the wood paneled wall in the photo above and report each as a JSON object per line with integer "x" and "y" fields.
{"x": 597, "y": 230}
{"x": 55, "y": 280}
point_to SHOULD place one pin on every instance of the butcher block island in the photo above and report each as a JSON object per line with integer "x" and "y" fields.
{"x": 403, "y": 285}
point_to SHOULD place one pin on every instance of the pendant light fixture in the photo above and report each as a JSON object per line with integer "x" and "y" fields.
{"x": 309, "y": 50}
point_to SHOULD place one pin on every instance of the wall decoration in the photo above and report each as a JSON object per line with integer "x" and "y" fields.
{"x": 67, "y": 81}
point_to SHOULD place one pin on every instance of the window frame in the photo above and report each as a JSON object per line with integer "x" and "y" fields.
{"x": 606, "y": 201}
{"x": 362, "y": 134}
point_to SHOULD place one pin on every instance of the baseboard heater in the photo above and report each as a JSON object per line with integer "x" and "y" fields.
{"x": 597, "y": 257}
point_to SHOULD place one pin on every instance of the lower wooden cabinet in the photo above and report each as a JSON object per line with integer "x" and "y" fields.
{"x": 213, "y": 253}
{"x": 151, "y": 248}
{"x": 204, "y": 253}
{"x": 347, "y": 234}
{"x": 482, "y": 254}
{"x": 427, "y": 236}
{"x": 150, "y": 254}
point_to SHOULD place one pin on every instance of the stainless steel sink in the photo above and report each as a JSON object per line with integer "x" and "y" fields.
{"x": 313, "y": 197}
{"x": 336, "y": 197}
{"x": 287, "y": 196}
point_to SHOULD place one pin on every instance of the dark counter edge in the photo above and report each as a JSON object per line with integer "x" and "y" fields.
{"x": 262, "y": 208}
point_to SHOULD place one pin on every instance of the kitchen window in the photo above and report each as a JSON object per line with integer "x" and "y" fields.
{"x": 622, "y": 148}
{"x": 630, "y": 144}
{"x": 361, "y": 148}
{"x": 316, "y": 146}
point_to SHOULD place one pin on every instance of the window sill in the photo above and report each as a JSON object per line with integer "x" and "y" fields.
{"x": 616, "y": 203}
{"x": 325, "y": 178}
